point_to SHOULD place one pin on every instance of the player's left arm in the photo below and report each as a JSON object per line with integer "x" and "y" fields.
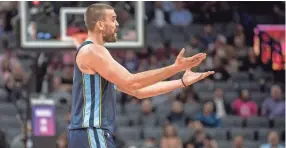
{"x": 163, "y": 87}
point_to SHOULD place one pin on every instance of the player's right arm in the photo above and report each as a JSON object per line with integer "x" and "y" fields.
{"x": 96, "y": 59}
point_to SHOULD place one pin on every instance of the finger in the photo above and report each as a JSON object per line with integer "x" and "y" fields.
{"x": 196, "y": 57}
{"x": 181, "y": 54}
{"x": 195, "y": 62}
{"x": 206, "y": 74}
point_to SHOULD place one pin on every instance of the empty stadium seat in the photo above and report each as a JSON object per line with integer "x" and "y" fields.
{"x": 128, "y": 133}
{"x": 119, "y": 110}
{"x": 251, "y": 144}
{"x": 8, "y": 109}
{"x": 217, "y": 133}
{"x": 252, "y": 86}
{"x": 148, "y": 121}
{"x": 247, "y": 133}
{"x": 163, "y": 110}
{"x": 205, "y": 96}
{"x": 232, "y": 121}
{"x": 225, "y": 86}
{"x": 257, "y": 122}
{"x": 230, "y": 96}
{"x": 194, "y": 29}
{"x": 134, "y": 119}
{"x": 240, "y": 76}
{"x": 136, "y": 144}
{"x": 8, "y": 121}
{"x": 3, "y": 94}
{"x": 263, "y": 134}
{"x": 202, "y": 87}
{"x": 132, "y": 108}
{"x": 191, "y": 109}
{"x": 149, "y": 132}
{"x": 279, "y": 123}
{"x": 224, "y": 144}
{"x": 122, "y": 120}
{"x": 12, "y": 133}
{"x": 161, "y": 119}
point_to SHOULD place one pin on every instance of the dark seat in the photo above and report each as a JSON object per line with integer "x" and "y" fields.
{"x": 257, "y": 122}
{"x": 247, "y": 133}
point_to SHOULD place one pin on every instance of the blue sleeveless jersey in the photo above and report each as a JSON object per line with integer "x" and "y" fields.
{"x": 93, "y": 100}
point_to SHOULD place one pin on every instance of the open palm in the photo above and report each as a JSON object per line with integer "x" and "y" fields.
{"x": 190, "y": 77}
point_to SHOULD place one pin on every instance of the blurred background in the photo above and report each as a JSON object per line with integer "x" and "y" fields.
{"x": 241, "y": 105}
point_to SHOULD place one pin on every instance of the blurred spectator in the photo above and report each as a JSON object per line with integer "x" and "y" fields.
{"x": 150, "y": 143}
{"x": 243, "y": 106}
{"x": 168, "y": 6}
{"x": 206, "y": 14}
{"x": 167, "y": 54}
{"x": 130, "y": 62}
{"x": 273, "y": 141}
{"x": 146, "y": 113}
{"x": 238, "y": 142}
{"x": 238, "y": 39}
{"x": 170, "y": 138}
{"x": 188, "y": 96}
{"x": 127, "y": 30}
{"x": 197, "y": 126}
{"x": 8, "y": 60}
{"x": 190, "y": 145}
{"x": 218, "y": 47}
{"x": 275, "y": 106}
{"x": 158, "y": 16}
{"x": 197, "y": 139}
{"x": 62, "y": 141}
{"x": 250, "y": 62}
{"x": 196, "y": 43}
{"x": 221, "y": 74}
{"x": 153, "y": 62}
{"x": 222, "y": 107}
{"x": 208, "y": 36}
{"x": 177, "y": 115}
{"x": 144, "y": 53}
{"x": 68, "y": 57}
{"x": 181, "y": 16}
{"x": 233, "y": 64}
{"x": 208, "y": 117}
{"x": 209, "y": 142}
{"x": 65, "y": 80}
{"x": 225, "y": 52}
{"x": 143, "y": 65}
{"x": 14, "y": 84}
{"x": 195, "y": 46}
{"x": 6, "y": 69}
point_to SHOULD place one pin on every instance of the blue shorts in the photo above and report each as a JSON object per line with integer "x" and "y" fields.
{"x": 90, "y": 138}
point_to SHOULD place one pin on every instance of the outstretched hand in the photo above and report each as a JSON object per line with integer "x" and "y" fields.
{"x": 190, "y": 77}
{"x": 184, "y": 63}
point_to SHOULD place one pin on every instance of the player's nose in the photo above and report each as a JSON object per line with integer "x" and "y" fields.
{"x": 117, "y": 24}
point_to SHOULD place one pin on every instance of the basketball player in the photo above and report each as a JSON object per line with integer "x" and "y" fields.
{"x": 97, "y": 76}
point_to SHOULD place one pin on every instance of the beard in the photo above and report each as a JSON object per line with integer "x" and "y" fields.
{"x": 110, "y": 37}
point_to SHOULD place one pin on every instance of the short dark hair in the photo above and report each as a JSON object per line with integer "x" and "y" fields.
{"x": 94, "y": 13}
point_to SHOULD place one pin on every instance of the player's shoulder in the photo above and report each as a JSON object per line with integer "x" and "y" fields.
{"x": 91, "y": 49}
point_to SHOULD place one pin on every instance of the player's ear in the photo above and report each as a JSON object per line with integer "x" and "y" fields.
{"x": 100, "y": 25}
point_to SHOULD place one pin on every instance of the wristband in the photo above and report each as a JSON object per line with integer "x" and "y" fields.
{"x": 183, "y": 82}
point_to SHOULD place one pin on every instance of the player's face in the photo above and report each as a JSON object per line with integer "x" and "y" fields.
{"x": 111, "y": 26}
